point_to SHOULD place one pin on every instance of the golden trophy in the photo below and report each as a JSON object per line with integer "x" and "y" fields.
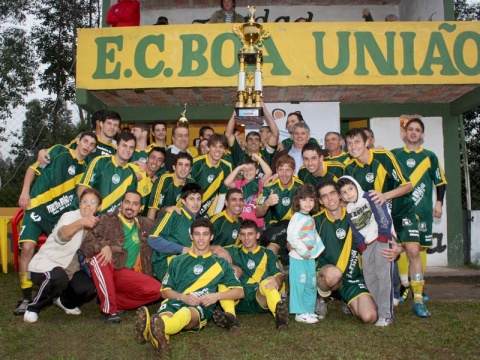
{"x": 183, "y": 121}
{"x": 249, "y": 92}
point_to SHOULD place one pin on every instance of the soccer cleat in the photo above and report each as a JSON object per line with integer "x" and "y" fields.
{"x": 346, "y": 308}
{"x": 111, "y": 318}
{"x": 225, "y": 320}
{"x": 281, "y": 316}
{"x": 384, "y": 322}
{"x": 30, "y": 316}
{"x": 420, "y": 310}
{"x": 157, "y": 331}
{"x": 74, "y": 311}
{"x": 306, "y": 318}
{"x": 142, "y": 325}
{"x": 404, "y": 292}
{"x": 321, "y": 308}
{"x": 21, "y": 307}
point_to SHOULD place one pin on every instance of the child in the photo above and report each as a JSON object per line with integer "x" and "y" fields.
{"x": 250, "y": 185}
{"x": 372, "y": 227}
{"x": 306, "y": 245}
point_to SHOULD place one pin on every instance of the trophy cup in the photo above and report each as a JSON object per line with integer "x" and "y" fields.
{"x": 249, "y": 92}
{"x": 183, "y": 121}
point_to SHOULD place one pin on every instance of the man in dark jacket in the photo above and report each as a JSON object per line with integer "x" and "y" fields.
{"x": 120, "y": 259}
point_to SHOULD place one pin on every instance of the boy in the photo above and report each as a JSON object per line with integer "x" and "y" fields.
{"x": 372, "y": 226}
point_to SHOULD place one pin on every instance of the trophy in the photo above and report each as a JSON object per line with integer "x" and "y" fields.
{"x": 183, "y": 121}
{"x": 249, "y": 92}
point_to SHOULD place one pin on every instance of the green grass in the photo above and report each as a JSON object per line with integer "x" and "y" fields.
{"x": 452, "y": 332}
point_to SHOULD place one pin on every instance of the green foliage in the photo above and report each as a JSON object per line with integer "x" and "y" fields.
{"x": 14, "y": 10}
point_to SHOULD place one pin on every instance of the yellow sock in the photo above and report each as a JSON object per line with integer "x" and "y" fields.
{"x": 403, "y": 268}
{"x": 177, "y": 322}
{"x": 423, "y": 258}
{"x": 272, "y": 295}
{"x": 417, "y": 288}
{"x": 227, "y": 305}
{"x": 25, "y": 282}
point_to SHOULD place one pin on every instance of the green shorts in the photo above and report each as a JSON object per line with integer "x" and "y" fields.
{"x": 406, "y": 229}
{"x": 34, "y": 225}
{"x": 425, "y": 230}
{"x": 352, "y": 288}
{"x": 249, "y": 303}
{"x": 173, "y": 305}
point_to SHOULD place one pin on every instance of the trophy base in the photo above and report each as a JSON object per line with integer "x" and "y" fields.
{"x": 249, "y": 116}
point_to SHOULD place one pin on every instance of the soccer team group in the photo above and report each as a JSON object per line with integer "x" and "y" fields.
{"x": 229, "y": 227}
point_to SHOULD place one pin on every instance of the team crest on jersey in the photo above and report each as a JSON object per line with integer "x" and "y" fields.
{"x": 251, "y": 264}
{"x": 71, "y": 170}
{"x": 411, "y": 163}
{"x": 406, "y": 222}
{"x": 142, "y": 159}
{"x": 115, "y": 178}
{"x": 198, "y": 269}
{"x": 286, "y": 201}
{"x": 234, "y": 234}
{"x": 135, "y": 237}
{"x": 341, "y": 233}
{"x": 210, "y": 178}
{"x": 369, "y": 177}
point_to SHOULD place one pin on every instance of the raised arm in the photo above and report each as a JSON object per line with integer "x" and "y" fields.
{"x": 230, "y": 128}
{"x": 274, "y": 133}
{"x": 230, "y": 179}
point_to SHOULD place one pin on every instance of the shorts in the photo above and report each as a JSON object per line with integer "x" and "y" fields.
{"x": 425, "y": 230}
{"x": 277, "y": 234}
{"x": 407, "y": 230}
{"x": 173, "y": 305}
{"x": 33, "y": 226}
{"x": 352, "y": 289}
{"x": 249, "y": 303}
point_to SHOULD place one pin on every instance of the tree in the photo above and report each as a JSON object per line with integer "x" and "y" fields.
{"x": 14, "y": 11}
{"x": 17, "y": 70}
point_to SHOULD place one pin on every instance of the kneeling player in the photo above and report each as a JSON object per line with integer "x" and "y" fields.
{"x": 261, "y": 277}
{"x": 194, "y": 283}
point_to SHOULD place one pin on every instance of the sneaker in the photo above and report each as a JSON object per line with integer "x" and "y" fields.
{"x": 281, "y": 316}
{"x": 21, "y": 307}
{"x": 305, "y": 318}
{"x": 74, "y": 311}
{"x": 346, "y": 308}
{"x": 425, "y": 297}
{"x": 384, "y": 322}
{"x": 321, "y": 308}
{"x": 225, "y": 320}
{"x": 111, "y": 318}
{"x": 396, "y": 301}
{"x": 158, "y": 338}
{"x": 404, "y": 292}
{"x": 142, "y": 325}
{"x": 30, "y": 316}
{"x": 420, "y": 310}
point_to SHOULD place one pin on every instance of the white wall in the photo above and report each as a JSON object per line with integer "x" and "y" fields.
{"x": 387, "y": 134}
{"x": 421, "y": 10}
{"x": 475, "y": 245}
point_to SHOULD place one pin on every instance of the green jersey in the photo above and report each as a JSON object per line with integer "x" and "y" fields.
{"x": 332, "y": 170}
{"x": 256, "y": 265}
{"x": 176, "y": 229}
{"x": 424, "y": 170}
{"x": 166, "y": 192}
{"x": 110, "y": 179}
{"x": 210, "y": 178}
{"x": 199, "y": 275}
{"x": 283, "y": 210}
{"x": 383, "y": 173}
{"x": 140, "y": 155}
{"x": 101, "y": 149}
{"x": 343, "y": 157}
{"x": 226, "y": 229}
{"x": 238, "y": 155}
{"x": 53, "y": 191}
{"x": 132, "y": 242}
{"x": 340, "y": 248}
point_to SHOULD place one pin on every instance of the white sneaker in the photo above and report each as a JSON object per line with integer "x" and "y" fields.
{"x": 30, "y": 316}
{"x": 384, "y": 322}
{"x": 396, "y": 301}
{"x": 305, "y": 318}
{"x": 74, "y": 311}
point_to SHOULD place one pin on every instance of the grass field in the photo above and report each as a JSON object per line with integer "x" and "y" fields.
{"x": 453, "y": 332}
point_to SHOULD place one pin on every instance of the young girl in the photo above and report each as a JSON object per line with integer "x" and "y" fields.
{"x": 249, "y": 184}
{"x": 306, "y": 246}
